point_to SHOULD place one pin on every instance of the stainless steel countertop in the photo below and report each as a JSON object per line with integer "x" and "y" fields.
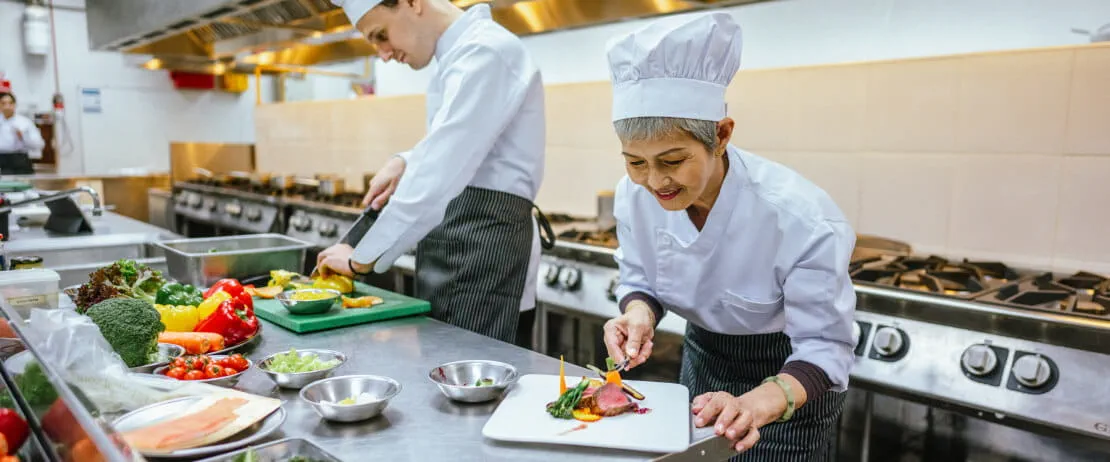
{"x": 420, "y": 423}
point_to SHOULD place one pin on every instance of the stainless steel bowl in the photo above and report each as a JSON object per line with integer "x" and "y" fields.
{"x": 459, "y": 380}
{"x": 323, "y": 393}
{"x": 308, "y": 306}
{"x": 300, "y": 379}
{"x": 167, "y": 352}
{"x": 228, "y": 382}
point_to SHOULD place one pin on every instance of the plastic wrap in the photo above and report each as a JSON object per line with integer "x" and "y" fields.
{"x": 73, "y": 346}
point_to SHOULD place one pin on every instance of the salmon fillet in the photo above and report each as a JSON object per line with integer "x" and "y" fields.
{"x": 183, "y": 432}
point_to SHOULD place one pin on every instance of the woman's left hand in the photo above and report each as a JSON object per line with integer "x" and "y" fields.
{"x": 739, "y": 418}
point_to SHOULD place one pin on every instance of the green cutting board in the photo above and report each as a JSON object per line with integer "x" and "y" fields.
{"x": 395, "y": 306}
{"x": 14, "y": 186}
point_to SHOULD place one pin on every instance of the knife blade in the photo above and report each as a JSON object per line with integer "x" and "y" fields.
{"x": 624, "y": 386}
{"x": 354, "y": 233}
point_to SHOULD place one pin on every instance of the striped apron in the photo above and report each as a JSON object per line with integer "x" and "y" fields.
{"x": 738, "y": 363}
{"x": 472, "y": 268}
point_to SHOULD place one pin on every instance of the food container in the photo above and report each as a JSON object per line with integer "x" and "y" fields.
{"x": 459, "y": 380}
{"x": 229, "y": 381}
{"x": 302, "y": 307}
{"x": 284, "y": 449}
{"x": 167, "y": 351}
{"x": 30, "y": 288}
{"x": 296, "y": 380}
{"x": 322, "y": 393}
{"x": 202, "y": 262}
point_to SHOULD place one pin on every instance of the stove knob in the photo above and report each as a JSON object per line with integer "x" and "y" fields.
{"x": 889, "y": 341}
{"x": 328, "y": 229}
{"x": 611, "y": 291}
{"x": 570, "y": 278}
{"x": 1032, "y": 371}
{"x": 233, "y": 209}
{"x": 551, "y": 275}
{"x": 979, "y": 360}
{"x": 212, "y": 205}
{"x": 254, "y": 214}
{"x": 194, "y": 201}
{"x": 857, "y": 331}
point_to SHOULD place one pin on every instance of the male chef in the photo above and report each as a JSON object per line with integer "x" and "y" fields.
{"x": 17, "y": 133}
{"x": 463, "y": 195}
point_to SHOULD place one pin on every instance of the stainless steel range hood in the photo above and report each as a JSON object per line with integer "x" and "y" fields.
{"x": 215, "y": 36}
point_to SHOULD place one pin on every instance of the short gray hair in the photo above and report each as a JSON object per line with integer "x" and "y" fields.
{"x": 654, "y": 128}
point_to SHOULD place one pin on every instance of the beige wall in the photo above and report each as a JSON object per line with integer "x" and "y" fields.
{"x": 998, "y": 155}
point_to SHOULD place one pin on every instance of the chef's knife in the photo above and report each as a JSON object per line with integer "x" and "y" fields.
{"x": 355, "y": 232}
{"x": 626, "y": 387}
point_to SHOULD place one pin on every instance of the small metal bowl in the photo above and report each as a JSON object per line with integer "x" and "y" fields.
{"x": 297, "y": 380}
{"x": 167, "y": 351}
{"x": 71, "y": 292}
{"x": 458, "y": 380}
{"x": 228, "y": 382}
{"x": 308, "y": 306}
{"x": 322, "y": 393}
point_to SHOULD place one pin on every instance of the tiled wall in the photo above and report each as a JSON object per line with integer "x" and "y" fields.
{"x": 1000, "y": 155}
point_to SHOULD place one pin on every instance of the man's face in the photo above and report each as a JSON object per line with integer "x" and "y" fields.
{"x": 401, "y": 33}
{"x": 7, "y": 106}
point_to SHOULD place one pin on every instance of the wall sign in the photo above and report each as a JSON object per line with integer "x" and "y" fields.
{"x": 90, "y": 100}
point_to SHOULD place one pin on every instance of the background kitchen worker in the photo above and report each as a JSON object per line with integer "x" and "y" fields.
{"x": 465, "y": 191}
{"x": 18, "y": 133}
{"x": 754, "y": 256}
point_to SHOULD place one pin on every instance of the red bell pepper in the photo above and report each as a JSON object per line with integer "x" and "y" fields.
{"x": 231, "y": 320}
{"x": 13, "y": 429}
{"x": 247, "y": 301}
{"x": 231, "y": 286}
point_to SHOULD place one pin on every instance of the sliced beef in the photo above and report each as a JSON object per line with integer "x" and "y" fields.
{"x": 588, "y": 400}
{"x": 610, "y": 400}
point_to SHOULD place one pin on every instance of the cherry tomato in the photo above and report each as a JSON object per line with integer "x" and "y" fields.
{"x": 238, "y": 361}
{"x": 213, "y": 371}
{"x": 201, "y": 362}
{"x": 176, "y": 373}
{"x": 229, "y": 372}
{"x": 195, "y": 375}
{"x": 225, "y": 362}
{"x": 180, "y": 361}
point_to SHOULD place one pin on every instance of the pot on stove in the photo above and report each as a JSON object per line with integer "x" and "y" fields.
{"x": 331, "y": 186}
{"x": 281, "y": 182}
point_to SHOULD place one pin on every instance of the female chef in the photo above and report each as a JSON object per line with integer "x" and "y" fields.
{"x": 752, "y": 255}
{"x": 463, "y": 195}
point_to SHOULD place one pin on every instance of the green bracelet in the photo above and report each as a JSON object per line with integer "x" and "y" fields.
{"x": 786, "y": 415}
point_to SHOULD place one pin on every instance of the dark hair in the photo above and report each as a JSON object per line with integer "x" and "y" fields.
{"x": 9, "y": 95}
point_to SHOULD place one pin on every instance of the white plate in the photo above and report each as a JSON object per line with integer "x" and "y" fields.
{"x": 154, "y": 413}
{"x": 522, "y": 417}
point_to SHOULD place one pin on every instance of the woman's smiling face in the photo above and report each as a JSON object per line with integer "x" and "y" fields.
{"x": 677, "y": 169}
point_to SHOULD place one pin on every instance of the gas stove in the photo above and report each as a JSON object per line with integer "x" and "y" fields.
{"x": 1012, "y": 346}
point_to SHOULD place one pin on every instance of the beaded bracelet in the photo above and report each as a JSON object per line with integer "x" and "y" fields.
{"x": 786, "y": 415}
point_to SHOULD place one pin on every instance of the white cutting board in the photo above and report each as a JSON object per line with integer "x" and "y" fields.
{"x": 522, "y": 417}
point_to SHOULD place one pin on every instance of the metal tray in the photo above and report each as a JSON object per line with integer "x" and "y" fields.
{"x": 202, "y": 262}
{"x": 154, "y": 413}
{"x": 231, "y": 349}
{"x": 280, "y": 450}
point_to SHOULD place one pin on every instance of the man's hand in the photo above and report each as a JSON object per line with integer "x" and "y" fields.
{"x": 384, "y": 183}
{"x": 336, "y": 259}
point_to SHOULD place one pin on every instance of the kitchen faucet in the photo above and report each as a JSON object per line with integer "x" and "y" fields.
{"x": 96, "y": 211}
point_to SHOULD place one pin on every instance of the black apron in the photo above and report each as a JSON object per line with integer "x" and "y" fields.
{"x": 738, "y": 363}
{"x": 473, "y": 266}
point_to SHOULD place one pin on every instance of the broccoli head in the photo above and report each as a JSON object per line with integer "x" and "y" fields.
{"x": 131, "y": 326}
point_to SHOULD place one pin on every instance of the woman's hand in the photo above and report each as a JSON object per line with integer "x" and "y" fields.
{"x": 739, "y": 418}
{"x": 630, "y": 335}
{"x": 384, "y": 183}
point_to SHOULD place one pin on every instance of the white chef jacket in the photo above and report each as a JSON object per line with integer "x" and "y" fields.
{"x": 32, "y": 141}
{"x": 485, "y": 128}
{"x": 772, "y": 257}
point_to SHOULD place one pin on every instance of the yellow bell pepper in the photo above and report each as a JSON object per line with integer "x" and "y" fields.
{"x": 337, "y": 282}
{"x": 178, "y": 318}
{"x": 210, "y": 304}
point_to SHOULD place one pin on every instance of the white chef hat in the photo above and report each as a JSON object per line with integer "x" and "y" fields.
{"x": 356, "y": 9}
{"x": 676, "y": 67}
